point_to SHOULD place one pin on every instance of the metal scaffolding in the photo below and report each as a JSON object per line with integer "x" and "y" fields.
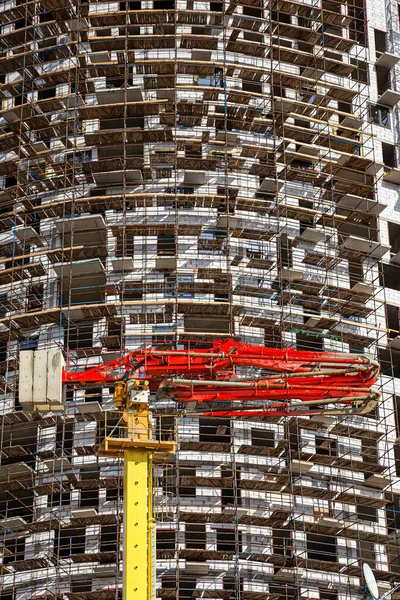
{"x": 174, "y": 171}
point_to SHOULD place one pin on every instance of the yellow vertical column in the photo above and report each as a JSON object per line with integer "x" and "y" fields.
{"x": 136, "y": 525}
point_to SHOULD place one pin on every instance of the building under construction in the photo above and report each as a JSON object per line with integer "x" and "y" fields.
{"x": 175, "y": 170}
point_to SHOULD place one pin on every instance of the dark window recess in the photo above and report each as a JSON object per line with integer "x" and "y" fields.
{"x": 112, "y": 494}
{"x": 221, "y": 297}
{"x": 366, "y": 553}
{"x": 69, "y": 541}
{"x": 272, "y": 337}
{"x": 125, "y": 244}
{"x": 393, "y": 515}
{"x": 186, "y": 489}
{"x": 164, "y": 4}
{"x": 294, "y": 438}
{"x": 309, "y": 206}
{"x": 285, "y": 257}
{"x": 361, "y": 73}
{"x": 321, "y": 547}
{"x": 4, "y": 305}
{"x": 219, "y": 79}
{"x": 109, "y": 538}
{"x": 232, "y": 584}
{"x": 394, "y": 236}
{"x": 132, "y": 291}
{"x": 19, "y": 262}
{"x": 281, "y": 542}
{"x": 367, "y": 513}
{"x": 396, "y": 449}
{"x": 17, "y": 548}
{"x": 380, "y": 115}
{"x": 119, "y": 123}
{"x": 215, "y": 430}
{"x": 252, "y": 11}
{"x": 252, "y": 86}
{"x": 383, "y": 79}
{"x": 325, "y": 446}
{"x": 81, "y": 586}
{"x": 278, "y": 91}
{"x": 392, "y": 320}
{"x": 369, "y": 451}
{"x": 390, "y": 363}
{"x": 3, "y": 351}
{"x": 166, "y": 244}
{"x": 59, "y": 499}
{"x": 132, "y": 5}
{"x": 186, "y": 588}
{"x": 389, "y": 155}
{"x": 64, "y": 438}
{"x": 195, "y": 536}
{"x": 356, "y": 273}
{"x": 263, "y": 437}
{"x": 309, "y": 342}
{"x": 35, "y": 297}
{"x": 80, "y": 336}
{"x": 389, "y": 276}
{"x": 226, "y": 541}
{"x": 47, "y": 93}
{"x": 228, "y": 487}
{"x": 216, "y": 6}
{"x": 165, "y": 539}
{"x": 89, "y": 488}
{"x": 280, "y": 17}
{"x": 380, "y": 42}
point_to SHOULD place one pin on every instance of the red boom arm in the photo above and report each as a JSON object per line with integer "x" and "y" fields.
{"x": 210, "y": 375}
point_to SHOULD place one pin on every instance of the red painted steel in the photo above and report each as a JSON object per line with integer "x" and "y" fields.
{"x": 210, "y": 375}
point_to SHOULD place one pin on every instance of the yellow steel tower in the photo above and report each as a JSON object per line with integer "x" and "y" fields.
{"x": 132, "y": 440}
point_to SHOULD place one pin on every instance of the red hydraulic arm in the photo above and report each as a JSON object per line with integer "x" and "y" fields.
{"x": 296, "y": 382}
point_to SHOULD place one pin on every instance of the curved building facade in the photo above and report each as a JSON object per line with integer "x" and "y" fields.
{"x": 175, "y": 171}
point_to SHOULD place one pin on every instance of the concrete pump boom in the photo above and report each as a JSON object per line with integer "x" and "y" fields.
{"x": 290, "y": 383}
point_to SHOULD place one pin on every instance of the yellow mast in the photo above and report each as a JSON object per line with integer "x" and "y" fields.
{"x": 137, "y": 448}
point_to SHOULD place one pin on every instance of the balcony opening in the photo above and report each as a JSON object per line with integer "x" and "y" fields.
{"x": 69, "y": 541}
{"x": 392, "y": 320}
{"x": 325, "y": 446}
{"x": 166, "y": 244}
{"x": 215, "y": 430}
{"x": 389, "y": 155}
{"x": 389, "y": 276}
{"x": 380, "y": 42}
{"x": 281, "y": 541}
{"x": 195, "y": 536}
{"x": 89, "y": 489}
{"x": 229, "y": 541}
{"x": 109, "y": 535}
{"x": 321, "y": 547}
{"x": 367, "y": 513}
{"x": 186, "y": 487}
{"x": 164, "y": 4}
{"x": 263, "y": 437}
{"x": 165, "y": 539}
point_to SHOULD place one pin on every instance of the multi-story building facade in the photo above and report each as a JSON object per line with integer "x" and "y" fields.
{"x": 176, "y": 170}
